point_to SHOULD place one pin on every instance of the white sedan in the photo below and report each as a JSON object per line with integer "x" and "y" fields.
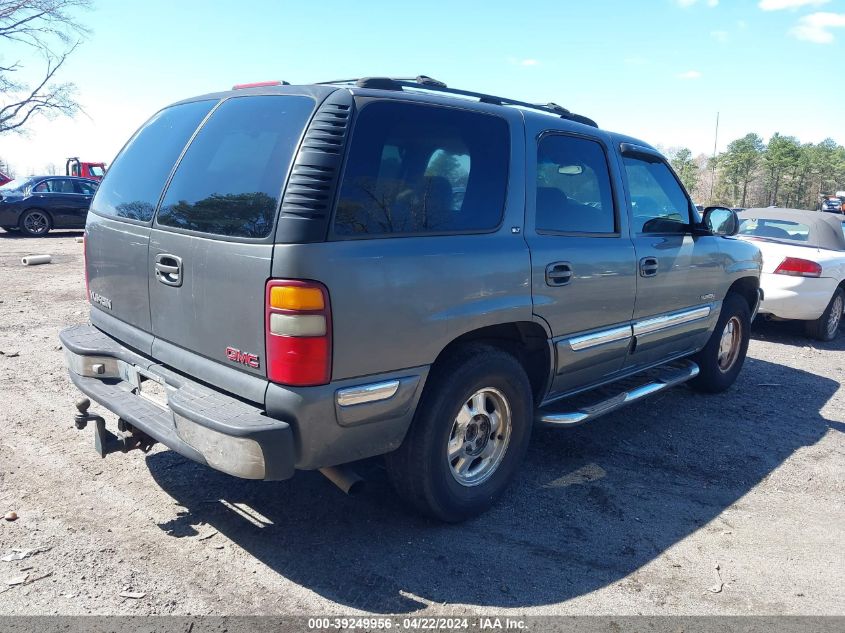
{"x": 803, "y": 265}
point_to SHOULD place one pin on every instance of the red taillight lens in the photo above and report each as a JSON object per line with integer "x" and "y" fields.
{"x": 297, "y": 333}
{"x": 798, "y": 267}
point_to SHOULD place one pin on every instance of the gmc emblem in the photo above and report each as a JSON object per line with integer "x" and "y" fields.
{"x": 237, "y": 356}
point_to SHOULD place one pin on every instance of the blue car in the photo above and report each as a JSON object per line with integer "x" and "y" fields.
{"x": 36, "y": 204}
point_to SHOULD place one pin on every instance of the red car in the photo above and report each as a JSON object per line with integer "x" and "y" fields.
{"x": 4, "y": 179}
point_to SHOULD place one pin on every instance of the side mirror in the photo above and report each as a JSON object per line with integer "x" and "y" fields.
{"x": 721, "y": 221}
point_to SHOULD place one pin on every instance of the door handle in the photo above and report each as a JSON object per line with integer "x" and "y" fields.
{"x": 648, "y": 266}
{"x": 168, "y": 269}
{"x": 558, "y": 274}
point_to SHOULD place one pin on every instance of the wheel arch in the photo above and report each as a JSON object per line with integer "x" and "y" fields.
{"x": 748, "y": 289}
{"x": 527, "y": 341}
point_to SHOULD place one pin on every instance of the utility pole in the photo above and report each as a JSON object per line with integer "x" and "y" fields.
{"x": 713, "y": 169}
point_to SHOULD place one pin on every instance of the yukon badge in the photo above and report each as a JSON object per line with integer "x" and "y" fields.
{"x": 237, "y": 356}
{"x": 101, "y": 300}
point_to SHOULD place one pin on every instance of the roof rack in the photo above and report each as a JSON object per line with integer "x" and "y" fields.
{"x": 423, "y": 82}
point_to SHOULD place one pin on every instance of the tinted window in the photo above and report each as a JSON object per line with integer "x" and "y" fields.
{"x": 423, "y": 169}
{"x": 62, "y": 185}
{"x": 133, "y": 185}
{"x": 573, "y": 187}
{"x": 42, "y": 187}
{"x": 87, "y": 188}
{"x": 658, "y": 202}
{"x": 231, "y": 177}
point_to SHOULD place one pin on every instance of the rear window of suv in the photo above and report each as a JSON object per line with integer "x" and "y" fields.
{"x": 133, "y": 185}
{"x": 417, "y": 169}
{"x": 231, "y": 177}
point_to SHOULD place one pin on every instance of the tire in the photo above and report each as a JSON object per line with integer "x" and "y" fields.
{"x": 826, "y": 327}
{"x": 719, "y": 366}
{"x": 483, "y": 467}
{"x": 35, "y": 223}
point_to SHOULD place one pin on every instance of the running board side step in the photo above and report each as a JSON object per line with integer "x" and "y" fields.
{"x": 665, "y": 377}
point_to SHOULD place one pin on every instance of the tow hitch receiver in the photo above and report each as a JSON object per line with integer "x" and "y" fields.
{"x": 105, "y": 441}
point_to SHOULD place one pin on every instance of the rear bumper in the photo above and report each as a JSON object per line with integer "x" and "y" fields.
{"x": 789, "y": 297}
{"x": 203, "y": 424}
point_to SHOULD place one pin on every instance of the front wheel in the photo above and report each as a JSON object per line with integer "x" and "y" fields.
{"x": 468, "y": 437}
{"x": 826, "y": 327}
{"x": 721, "y": 359}
{"x": 35, "y": 223}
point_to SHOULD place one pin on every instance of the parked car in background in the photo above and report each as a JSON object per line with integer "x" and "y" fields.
{"x": 803, "y": 266}
{"x": 36, "y": 204}
{"x": 4, "y": 178}
{"x": 832, "y": 204}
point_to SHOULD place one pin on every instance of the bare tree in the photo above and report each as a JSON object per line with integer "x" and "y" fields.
{"x": 48, "y": 29}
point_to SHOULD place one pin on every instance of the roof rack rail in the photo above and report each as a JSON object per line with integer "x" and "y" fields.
{"x": 424, "y": 82}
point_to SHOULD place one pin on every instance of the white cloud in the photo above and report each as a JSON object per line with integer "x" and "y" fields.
{"x": 712, "y": 3}
{"x": 815, "y": 27}
{"x": 688, "y": 3}
{"x": 780, "y": 5}
{"x": 529, "y": 62}
{"x": 690, "y": 74}
{"x": 719, "y": 36}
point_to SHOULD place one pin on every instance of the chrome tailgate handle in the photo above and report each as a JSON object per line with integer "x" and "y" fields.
{"x": 168, "y": 269}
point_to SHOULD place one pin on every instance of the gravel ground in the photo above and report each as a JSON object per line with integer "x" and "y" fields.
{"x": 628, "y": 515}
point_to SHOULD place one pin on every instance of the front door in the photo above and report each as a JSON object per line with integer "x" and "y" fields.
{"x": 583, "y": 276}
{"x": 678, "y": 272}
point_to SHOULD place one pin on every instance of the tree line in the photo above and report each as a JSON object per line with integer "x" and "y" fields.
{"x": 752, "y": 173}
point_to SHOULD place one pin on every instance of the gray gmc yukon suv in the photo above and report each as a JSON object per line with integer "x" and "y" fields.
{"x": 298, "y": 277}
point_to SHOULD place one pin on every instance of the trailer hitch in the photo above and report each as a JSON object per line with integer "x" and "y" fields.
{"x": 105, "y": 441}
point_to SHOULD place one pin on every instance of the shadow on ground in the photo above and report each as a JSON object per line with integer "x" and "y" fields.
{"x": 792, "y": 333}
{"x": 592, "y": 504}
{"x": 57, "y": 233}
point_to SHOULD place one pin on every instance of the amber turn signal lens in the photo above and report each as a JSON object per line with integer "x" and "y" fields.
{"x": 296, "y": 298}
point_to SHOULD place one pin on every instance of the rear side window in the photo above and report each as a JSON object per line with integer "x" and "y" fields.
{"x": 573, "y": 187}
{"x": 423, "y": 169}
{"x": 231, "y": 177}
{"x": 133, "y": 185}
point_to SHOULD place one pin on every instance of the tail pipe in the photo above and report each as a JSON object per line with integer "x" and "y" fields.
{"x": 344, "y": 478}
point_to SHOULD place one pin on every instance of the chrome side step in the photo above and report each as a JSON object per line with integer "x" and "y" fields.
{"x": 663, "y": 378}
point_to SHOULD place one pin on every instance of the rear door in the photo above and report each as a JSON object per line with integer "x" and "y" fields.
{"x": 583, "y": 276}
{"x": 118, "y": 229}
{"x": 211, "y": 243}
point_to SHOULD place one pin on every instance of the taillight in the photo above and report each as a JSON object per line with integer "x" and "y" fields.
{"x": 298, "y": 333}
{"x": 85, "y": 265}
{"x": 798, "y": 267}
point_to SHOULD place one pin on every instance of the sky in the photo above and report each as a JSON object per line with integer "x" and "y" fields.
{"x": 656, "y": 69}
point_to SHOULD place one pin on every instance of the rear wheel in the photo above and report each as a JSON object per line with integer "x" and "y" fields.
{"x": 35, "y": 223}
{"x": 721, "y": 359}
{"x": 826, "y": 327}
{"x": 469, "y": 435}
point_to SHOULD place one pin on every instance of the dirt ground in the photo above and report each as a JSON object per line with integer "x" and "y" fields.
{"x": 628, "y": 515}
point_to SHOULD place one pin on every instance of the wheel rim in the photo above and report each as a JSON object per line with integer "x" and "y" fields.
{"x": 479, "y": 437}
{"x": 835, "y": 315}
{"x": 729, "y": 344}
{"x": 36, "y": 222}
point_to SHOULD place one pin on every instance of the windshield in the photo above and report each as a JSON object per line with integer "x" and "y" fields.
{"x": 97, "y": 171}
{"x": 774, "y": 229}
{"x": 14, "y": 185}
